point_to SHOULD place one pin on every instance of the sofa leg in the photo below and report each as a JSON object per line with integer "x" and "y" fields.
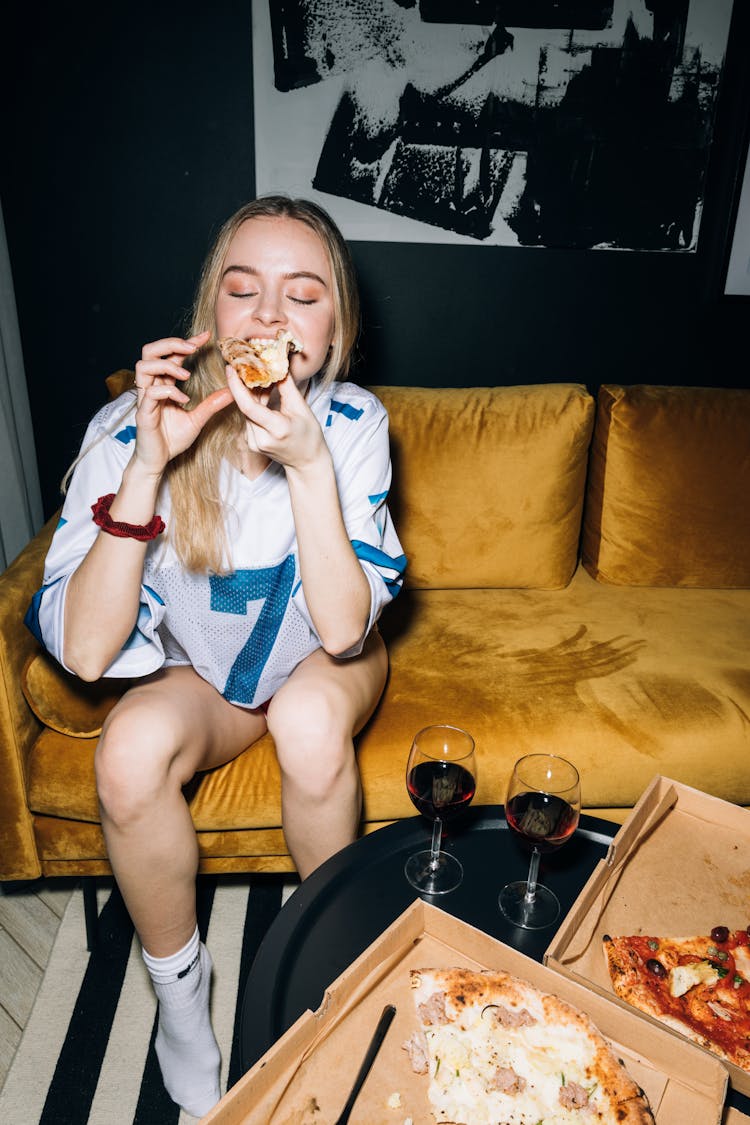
{"x": 90, "y": 912}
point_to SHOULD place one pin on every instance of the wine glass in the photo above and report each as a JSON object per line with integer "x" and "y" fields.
{"x": 543, "y": 806}
{"x": 441, "y": 778}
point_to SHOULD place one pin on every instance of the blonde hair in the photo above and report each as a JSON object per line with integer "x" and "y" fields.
{"x": 197, "y": 523}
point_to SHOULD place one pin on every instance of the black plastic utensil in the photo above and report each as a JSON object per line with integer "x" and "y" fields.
{"x": 375, "y": 1044}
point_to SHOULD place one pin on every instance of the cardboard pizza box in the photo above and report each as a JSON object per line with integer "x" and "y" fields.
{"x": 306, "y": 1076}
{"x": 677, "y": 867}
{"x": 733, "y": 1116}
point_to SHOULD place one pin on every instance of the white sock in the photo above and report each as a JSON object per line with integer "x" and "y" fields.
{"x": 186, "y": 1047}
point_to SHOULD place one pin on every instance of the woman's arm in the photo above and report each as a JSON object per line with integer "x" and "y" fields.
{"x": 103, "y": 594}
{"x": 336, "y": 590}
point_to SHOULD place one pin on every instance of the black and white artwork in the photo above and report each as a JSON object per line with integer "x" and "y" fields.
{"x": 547, "y": 123}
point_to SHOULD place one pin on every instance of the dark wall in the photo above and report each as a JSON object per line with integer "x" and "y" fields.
{"x": 128, "y": 140}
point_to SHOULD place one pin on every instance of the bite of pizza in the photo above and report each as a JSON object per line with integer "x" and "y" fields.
{"x": 261, "y": 361}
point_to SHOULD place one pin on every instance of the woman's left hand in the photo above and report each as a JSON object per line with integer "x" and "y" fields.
{"x": 290, "y": 434}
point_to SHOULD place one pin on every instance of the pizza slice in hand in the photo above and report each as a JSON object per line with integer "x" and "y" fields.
{"x": 262, "y": 361}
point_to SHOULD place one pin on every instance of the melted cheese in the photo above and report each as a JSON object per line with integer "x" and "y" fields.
{"x": 742, "y": 960}
{"x": 463, "y": 1067}
{"x": 684, "y": 977}
{"x": 275, "y": 353}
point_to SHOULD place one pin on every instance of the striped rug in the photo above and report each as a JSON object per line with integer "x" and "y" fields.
{"x": 87, "y": 1054}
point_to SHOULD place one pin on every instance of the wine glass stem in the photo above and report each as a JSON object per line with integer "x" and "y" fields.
{"x": 437, "y": 832}
{"x": 533, "y": 876}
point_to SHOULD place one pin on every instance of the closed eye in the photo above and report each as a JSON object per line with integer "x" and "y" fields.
{"x": 301, "y": 301}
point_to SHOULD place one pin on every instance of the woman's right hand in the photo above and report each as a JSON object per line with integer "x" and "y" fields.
{"x": 163, "y": 427}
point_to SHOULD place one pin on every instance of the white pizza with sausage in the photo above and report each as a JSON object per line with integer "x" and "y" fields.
{"x": 494, "y": 1048}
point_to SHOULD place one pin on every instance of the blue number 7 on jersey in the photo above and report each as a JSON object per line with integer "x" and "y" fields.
{"x": 230, "y": 594}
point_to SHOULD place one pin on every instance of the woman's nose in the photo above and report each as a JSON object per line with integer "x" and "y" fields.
{"x": 269, "y": 308}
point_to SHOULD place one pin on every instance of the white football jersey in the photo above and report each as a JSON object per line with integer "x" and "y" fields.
{"x": 246, "y": 630}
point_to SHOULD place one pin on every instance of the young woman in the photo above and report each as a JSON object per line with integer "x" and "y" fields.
{"x": 254, "y": 609}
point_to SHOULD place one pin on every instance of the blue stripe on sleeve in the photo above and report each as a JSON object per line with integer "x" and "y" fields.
{"x": 374, "y": 555}
{"x": 126, "y": 435}
{"x": 345, "y": 409}
{"x": 60, "y": 523}
{"x": 137, "y": 637}
{"x": 377, "y": 497}
{"x": 31, "y": 620}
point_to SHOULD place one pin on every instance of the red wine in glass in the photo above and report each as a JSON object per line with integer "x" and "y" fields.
{"x": 441, "y": 780}
{"x": 542, "y": 807}
{"x": 542, "y": 819}
{"x": 440, "y": 789}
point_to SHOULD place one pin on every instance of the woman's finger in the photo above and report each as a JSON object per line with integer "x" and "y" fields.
{"x": 211, "y": 405}
{"x": 147, "y": 369}
{"x": 251, "y": 405}
{"x": 289, "y": 392}
{"x": 170, "y": 391}
{"x": 174, "y": 345}
{"x": 166, "y": 392}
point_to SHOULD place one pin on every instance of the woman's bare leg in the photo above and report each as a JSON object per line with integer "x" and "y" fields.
{"x": 312, "y": 719}
{"x": 160, "y": 734}
{"x": 153, "y": 742}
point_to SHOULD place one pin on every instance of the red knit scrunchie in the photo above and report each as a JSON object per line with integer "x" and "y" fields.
{"x": 142, "y": 532}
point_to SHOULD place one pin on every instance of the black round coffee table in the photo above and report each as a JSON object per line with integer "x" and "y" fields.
{"x": 348, "y": 902}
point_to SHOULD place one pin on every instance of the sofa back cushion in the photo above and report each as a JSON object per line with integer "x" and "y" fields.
{"x": 488, "y": 482}
{"x": 669, "y": 487}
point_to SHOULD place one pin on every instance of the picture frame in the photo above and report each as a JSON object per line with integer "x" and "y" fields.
{"x": 513, "y": 149}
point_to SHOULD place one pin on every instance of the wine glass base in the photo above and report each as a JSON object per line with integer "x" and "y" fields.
{"x": 445, "y": 877}
{"x": 542, "y": 911}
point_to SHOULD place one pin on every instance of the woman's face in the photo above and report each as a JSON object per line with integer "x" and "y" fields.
{"x": 277, "y": 276}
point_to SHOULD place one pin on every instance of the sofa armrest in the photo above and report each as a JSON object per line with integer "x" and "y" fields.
{"x": 19, "y": 728}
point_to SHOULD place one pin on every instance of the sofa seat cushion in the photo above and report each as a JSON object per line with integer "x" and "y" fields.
{"x": 488, "y": 482}
{"x": 667, "y": 501}
{"x": 626, "y": 682}
{"x": 246, "y": 793}
{"x": 78, "y": 847}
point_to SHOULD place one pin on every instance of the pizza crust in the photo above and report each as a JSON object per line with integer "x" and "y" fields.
{"x": 496, "y": 1048}
{"x": 261, "y": 361}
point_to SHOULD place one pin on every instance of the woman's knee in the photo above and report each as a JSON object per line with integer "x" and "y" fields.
{"x": 313, "y": 741}
{"x": 134, "y": 761}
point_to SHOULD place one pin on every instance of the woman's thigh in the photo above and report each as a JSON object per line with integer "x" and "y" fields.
{"x": 176, "y": 712}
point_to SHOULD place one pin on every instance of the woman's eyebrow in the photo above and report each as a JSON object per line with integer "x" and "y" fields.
{"x": 305, "y": 273}
{"x": 249, "y": 270}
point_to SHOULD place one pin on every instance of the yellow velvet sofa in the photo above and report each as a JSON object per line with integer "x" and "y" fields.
{"x": 578, "y": 582}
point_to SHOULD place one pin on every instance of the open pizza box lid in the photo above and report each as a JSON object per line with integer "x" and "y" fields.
{"x": 316, "y": 1060}
{"x": 677, "y": 867}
